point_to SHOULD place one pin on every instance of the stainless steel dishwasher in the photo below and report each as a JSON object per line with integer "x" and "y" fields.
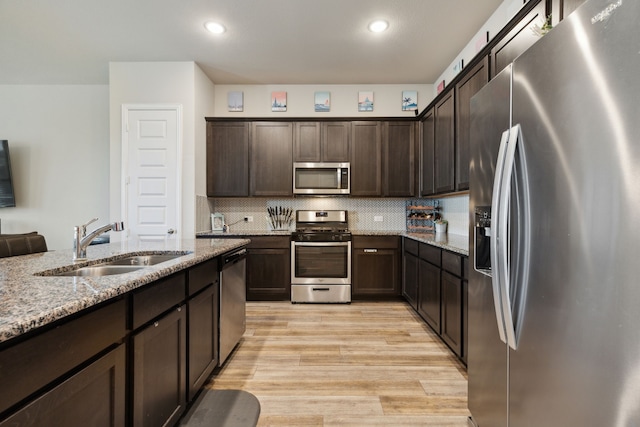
{"x": 233, "y": 298}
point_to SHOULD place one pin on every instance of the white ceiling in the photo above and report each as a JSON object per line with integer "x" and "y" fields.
{"x": 267, "y": 41}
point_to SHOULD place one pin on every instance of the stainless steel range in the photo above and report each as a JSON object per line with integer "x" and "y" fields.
{"x": 321, "y": 258}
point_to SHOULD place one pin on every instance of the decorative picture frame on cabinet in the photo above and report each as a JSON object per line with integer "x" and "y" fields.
{"x": 440, "y": 87}
{"x": 365, "y": 101}
{"x": 409, "y": 100}
{"x": 235, "y": 101}
{"x": 278, "y": 101}
{"x": 322, "y": 102}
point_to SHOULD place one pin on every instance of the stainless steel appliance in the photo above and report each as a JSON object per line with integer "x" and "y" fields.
{"x": 321, "y": 178}
{"x": 321, "y": 257}
{"x": 233, "y": 298}
{"x": 553, "y": 317}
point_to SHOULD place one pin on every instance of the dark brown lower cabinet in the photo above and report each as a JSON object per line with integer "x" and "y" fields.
{"x": 203, "y": 337}
{"x": 376, "y": 266}
{"x": 159, "y": 370}
{"x": 410, "y": 277}
{"x": 95, "y": 396}
{"x": 452, "y": 311}
{"x": 429, "y": 294}
{"x": 269, "y": 268}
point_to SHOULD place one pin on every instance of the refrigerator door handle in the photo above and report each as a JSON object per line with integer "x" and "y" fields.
{"x": 504, "y": 235}
{"x": 498, "y": 267}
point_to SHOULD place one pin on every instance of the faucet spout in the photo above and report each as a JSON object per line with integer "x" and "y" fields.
{"x": 82, "y": 241}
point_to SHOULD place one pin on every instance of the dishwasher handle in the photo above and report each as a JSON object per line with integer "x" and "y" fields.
{"x": 230, "y": 259}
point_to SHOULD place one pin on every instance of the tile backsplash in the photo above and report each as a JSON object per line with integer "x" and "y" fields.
{"x": 363, "y": 213}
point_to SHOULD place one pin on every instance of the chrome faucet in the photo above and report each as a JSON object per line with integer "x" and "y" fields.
{"x": 81, "y": 240}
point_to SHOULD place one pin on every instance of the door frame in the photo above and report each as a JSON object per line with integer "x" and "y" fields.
{"x": 124, "y": 187}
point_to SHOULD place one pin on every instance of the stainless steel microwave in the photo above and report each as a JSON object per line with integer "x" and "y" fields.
{"x": 321, "y": 178}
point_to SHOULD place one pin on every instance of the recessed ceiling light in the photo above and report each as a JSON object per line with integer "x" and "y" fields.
{"x": 214, "y": 27}
{"x": 378, "y": 26}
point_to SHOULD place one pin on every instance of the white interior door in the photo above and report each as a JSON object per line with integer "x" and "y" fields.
{"x": 151, "y": 171}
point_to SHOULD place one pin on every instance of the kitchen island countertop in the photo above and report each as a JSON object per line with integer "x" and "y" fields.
{"x": 29, "y": 301}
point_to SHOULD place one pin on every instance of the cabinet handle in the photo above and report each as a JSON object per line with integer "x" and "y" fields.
{"x": 370, "y": 251}
{"x": 155, "y": 324}
{"x": 179, "y": 309}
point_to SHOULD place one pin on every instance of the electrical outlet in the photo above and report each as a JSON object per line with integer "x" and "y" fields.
{"x": 378, "y": 218}
{"x": 248, "y": 219}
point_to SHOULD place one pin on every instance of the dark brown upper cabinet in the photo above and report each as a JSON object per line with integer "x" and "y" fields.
{"x": 227, "y": 159}
{"x": 560, "y": 9}
{"x": 473, "y": 80}
{"x": 271, "y": 151}
{"x": 444, "y": 143}
{"x": 427, "y": 149}
{"x": 321, "y": 141}
{"x": 366, "y": 158}
{"x": 399, "y": 141}
{"x": 519, "y": 39}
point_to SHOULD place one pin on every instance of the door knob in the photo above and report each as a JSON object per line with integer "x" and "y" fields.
{"x": 171, "y": 231}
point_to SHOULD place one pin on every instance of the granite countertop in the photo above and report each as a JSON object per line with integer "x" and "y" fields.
{"x": 452, "y": 242}
{"x": 29, "y": 301}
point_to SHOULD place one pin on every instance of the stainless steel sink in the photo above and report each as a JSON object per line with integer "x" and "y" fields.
{"x": 101, "y": 270}
{"x": 110, "y": 267}
{"x": 143, "y": 259}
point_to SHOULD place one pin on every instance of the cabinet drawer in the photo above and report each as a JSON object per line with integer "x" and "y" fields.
{"x": 30, "y": 365}
{"x": 411, "y": 246}
{"x": 452, "y": 263}
{"x": 202, "y": 275}
{"x": 155, "y": 299}
{"x": 376, "y": 242}
{"x": 430, "y": 253}
{"x": 269, "y": 242}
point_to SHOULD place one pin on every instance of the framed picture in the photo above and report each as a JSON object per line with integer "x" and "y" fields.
{"x": 409, "y": 100}
{"x": 365, "y": 101}
{"x": 322, "y": 102}
{"x": 235, "y": 101}
{"x": 440, "y": 86}
{"x": 278, "y": 101}
{"x": 458, "y": 66}
{"x": 217, "y": 222}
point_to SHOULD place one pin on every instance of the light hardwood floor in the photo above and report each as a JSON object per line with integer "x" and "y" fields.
{"x": 363, "y": 364}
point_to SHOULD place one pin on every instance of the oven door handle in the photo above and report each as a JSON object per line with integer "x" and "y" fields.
{"x": 316, "y": 244}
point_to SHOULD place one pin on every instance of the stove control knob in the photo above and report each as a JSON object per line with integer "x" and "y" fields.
{"x": 334, "y": 237}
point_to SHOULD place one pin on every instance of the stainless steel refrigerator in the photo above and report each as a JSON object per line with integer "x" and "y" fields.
{"x": 554, "y": 295}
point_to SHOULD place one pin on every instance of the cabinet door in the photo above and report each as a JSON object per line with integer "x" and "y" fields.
{"x": 366, "y": 159}
{"x": 227, "y": 159}
{"x": 271, "y": 159}
{"x": 399, "y": 159}
{"x": 518, "y": 39}
{"x": 410, "y": 279}
{"x": 376, "y": 267}
{"x": 429, "y": 294}
{"x": 203, "y": 337}
{"x": 95, "y": 396}
{"x": 452, "y": 312}
{"x": 159, "y": 371}
{"x": 269, "y": 270}
{"x": 473, "y": 81}
{"x": 335, "y": 141}
{"x": 428, "y": 154}
{"x": 444, "y": 144}
{"x": 306, "y": 142}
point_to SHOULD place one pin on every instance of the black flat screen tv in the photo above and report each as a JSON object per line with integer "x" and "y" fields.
{"x": 7, "y": 196}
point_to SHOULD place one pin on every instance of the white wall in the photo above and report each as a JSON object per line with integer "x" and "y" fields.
{"x": 181, "y": 83}
{"x": 59, "y": 142}
{"x": 494, "y": 24}
{"x": 300, "y": 100}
